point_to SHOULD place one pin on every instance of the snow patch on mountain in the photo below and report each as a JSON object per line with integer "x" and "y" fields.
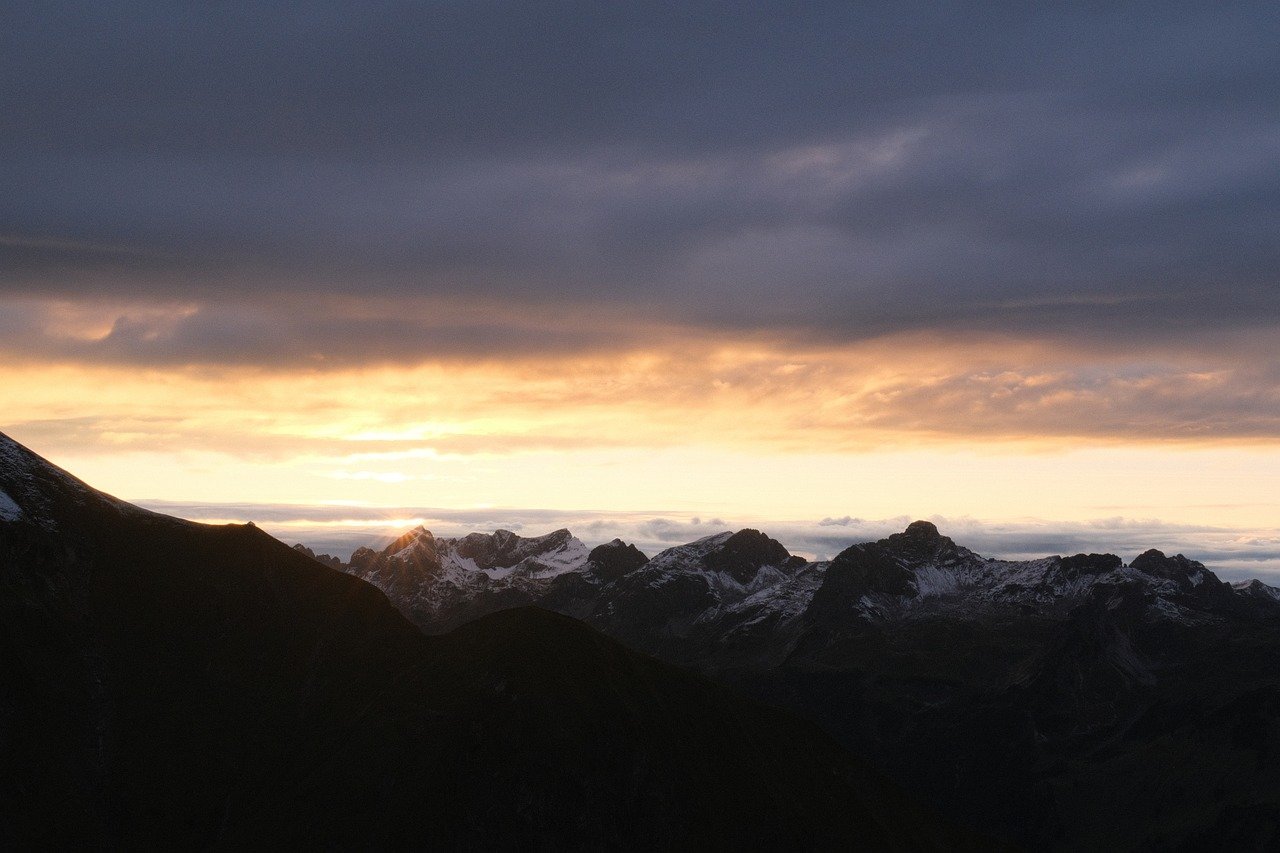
{"x": 1257, "y": 589}
{"x": 784, "y": 601}
{"x": 681, "y": 556}
{"x": 746, "y": 586}
{"x": 936, "y": 581}
{"x": 9, "y": 509}
{"x": 434, "y": 580}
{"x": 503, "y": 554}
{"x": 33, "y": 486}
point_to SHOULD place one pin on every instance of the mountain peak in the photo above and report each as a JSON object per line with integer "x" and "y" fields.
{"x": 744, "y": 553}
{"x": 922, "y": 543}
{"x": 1079, "y": 565}
{"x": 1153, "y": 562}
{"x": 922, "y": 530}
{"x": 1257, "y": 589}
{"x": 1186, "y": 572}
{"x": 614, "y": 559}
{"x": 418, "y": 537}
{"x": 328, "y": 560}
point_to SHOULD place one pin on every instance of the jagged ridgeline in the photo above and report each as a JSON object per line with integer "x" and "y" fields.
{"x": 171, "y": 685}
{"x": 1076, "y": 701}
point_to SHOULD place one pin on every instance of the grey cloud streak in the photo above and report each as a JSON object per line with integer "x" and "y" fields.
{"x": 840, "y": 172}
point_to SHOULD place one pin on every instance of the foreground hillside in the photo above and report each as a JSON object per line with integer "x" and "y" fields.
{"x": 1077, "y": 701}
{"x": 168, "y": 684}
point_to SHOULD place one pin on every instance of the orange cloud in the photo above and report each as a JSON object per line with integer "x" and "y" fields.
{"x": 774, "y": 396}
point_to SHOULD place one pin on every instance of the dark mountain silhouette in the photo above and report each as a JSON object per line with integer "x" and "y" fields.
{"x": 1070, "y": 701}
{"x": 169, "y": 684}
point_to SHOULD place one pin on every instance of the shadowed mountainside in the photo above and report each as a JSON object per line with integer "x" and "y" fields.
{"x": 164, "y": 683}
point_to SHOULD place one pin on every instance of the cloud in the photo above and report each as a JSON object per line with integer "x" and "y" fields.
{"x": 668, "y": 391}
{"x": 1138, "y": 402}
{"x": 842, "y": 173}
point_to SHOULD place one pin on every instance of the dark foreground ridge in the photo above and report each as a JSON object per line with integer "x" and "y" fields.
{"x": 167, "y": 684}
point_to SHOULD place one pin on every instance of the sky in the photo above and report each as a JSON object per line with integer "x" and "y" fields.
{"x": 1012, "y": 266}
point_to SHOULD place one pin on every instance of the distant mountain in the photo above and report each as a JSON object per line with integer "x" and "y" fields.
{"x": 165, "y": 684}
{"x": 447, "y": 582}
{"x": 1078, "y": 701}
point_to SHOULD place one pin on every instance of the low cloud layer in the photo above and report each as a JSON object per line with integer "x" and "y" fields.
{"x": 1233, "y": 553}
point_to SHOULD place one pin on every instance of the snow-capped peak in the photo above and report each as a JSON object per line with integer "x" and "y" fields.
{"x": 1256, "y": 589}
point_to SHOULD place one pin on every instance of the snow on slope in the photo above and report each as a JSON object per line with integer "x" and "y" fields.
{"x": 9, "y": 509}
{"x": 35, "y": 487}
{"x": 503, "y": 554}
{"x": 431, "y": 578}
{"x": 746, "y": 585}
{"x": 1257, "y": 589}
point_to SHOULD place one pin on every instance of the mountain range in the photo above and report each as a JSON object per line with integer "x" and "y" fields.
{"x": 1072, "y": 701}
{"x": 169, "y": 684}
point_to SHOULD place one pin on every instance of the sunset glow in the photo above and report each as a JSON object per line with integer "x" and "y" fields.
{"x": 851, "y": 271}
{"x": 763, "y": 434}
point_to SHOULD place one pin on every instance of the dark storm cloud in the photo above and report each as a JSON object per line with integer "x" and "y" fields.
{"x": 834, "y": 170}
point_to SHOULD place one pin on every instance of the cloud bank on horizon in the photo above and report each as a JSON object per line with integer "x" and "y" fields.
{"x": 1232, "y": 553}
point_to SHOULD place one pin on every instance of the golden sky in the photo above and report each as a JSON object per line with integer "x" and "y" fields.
{"x": 990, "y": 262}
{"x": 904, "y": 426}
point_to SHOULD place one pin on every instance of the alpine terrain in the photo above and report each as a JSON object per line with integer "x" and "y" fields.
{"x": 1073, "y": 701}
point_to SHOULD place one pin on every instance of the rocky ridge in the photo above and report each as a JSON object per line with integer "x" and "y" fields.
{"x": 1046, "y": 701}
{"x": 734, "y": 583}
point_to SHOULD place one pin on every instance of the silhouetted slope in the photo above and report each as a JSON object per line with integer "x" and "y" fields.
{"x": 168, "y": 684}
{"x": 544, "y": 731}
{"x": 179, "y": 672}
